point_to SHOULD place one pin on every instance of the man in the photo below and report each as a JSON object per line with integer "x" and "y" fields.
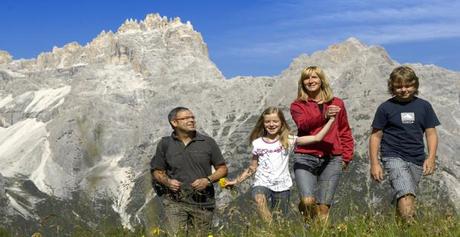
{"x": 182, "y": 164}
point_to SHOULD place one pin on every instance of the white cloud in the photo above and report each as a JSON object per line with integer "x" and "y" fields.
{"x": 407, "y": 33}
{"x": 300, "y": 26}
{"x": 274, "y": 47}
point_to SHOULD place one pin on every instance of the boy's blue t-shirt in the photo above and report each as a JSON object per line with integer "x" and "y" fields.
{"x": 403, "y": 125}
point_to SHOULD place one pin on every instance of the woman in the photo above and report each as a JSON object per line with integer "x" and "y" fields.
{"x": 318, "y": 166}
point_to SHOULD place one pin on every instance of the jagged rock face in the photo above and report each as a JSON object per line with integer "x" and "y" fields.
{"x": 5, "y": 57}
{"x": 80, "y": 124}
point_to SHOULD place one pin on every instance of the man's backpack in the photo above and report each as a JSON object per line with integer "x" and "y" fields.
{"x": 159, "y": 188}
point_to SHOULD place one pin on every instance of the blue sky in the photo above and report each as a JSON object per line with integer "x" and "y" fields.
{"x": 244, "y": 37}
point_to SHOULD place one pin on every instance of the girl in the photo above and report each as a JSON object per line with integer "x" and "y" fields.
{"x": 272, "y": 143}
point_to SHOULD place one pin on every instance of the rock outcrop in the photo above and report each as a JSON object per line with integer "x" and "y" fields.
{"x": 5, "y": 57}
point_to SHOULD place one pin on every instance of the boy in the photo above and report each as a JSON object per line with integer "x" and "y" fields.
{"x": 398, "y": 128}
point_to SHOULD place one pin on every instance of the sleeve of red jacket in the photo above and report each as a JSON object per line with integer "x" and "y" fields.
{"x": 303, "y": 121}
{"x": 346, "y": 138}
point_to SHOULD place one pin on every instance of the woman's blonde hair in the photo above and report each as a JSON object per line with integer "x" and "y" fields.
{"x": 259, "y": 129}
{"x": 325, "y": 93}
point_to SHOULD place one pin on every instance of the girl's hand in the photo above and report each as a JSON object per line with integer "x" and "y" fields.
{"x": 228, "y": 183}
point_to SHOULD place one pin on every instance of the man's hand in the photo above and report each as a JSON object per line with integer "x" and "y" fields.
{"x": 174, "y": 185}
{"x": 429, "y": 165}
{"x": 200, "y": 184}
{"x": 377, "y": 172}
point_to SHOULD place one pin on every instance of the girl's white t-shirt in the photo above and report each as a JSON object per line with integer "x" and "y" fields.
{"x": 273, "y": 169}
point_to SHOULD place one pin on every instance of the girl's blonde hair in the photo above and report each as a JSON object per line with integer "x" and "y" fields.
{"x": 259, "y": 129}
{"x": 325, "y": 93}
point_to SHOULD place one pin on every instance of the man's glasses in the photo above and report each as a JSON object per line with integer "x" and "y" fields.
{"x": 186, "y": 118}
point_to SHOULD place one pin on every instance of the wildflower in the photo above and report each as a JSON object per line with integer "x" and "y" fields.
{"x": 342, "y": 227}
{"x": 222, "y": 182}
{"x": 155, "y": 231}
{"x": 36, "y": 234}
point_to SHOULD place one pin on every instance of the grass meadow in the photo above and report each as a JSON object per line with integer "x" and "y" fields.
{"x": 430, "y": 221}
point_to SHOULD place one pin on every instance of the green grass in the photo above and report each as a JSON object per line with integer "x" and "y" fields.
{"x": 428, "y": 223}
{"x": 4, "y": 232}
{"x": 360, "y": 225}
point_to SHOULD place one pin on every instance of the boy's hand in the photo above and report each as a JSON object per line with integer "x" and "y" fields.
{"x": 429, "y": 165}
{"x": 377, "y": 172}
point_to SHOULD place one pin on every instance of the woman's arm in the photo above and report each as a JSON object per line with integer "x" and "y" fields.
{"x": 304, "y": 140}
{"x": 245, "y": 174}
{"x": 345, "y": 135}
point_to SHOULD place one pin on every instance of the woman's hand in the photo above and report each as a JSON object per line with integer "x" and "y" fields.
{"x": 332, "y": 111}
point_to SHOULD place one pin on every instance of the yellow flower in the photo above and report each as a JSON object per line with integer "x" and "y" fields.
{"x": 155, "y": 231}
{"x": 342, "y": 227}
{"x": 36, "y": 234}
{"x": 222, "y": 182}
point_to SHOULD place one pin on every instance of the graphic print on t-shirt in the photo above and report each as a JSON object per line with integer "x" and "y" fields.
{"x": 407, "y": 117}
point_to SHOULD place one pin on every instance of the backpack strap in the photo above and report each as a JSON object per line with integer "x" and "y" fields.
{"x": 165, "y": 144}
{"x": 159, "y": 188}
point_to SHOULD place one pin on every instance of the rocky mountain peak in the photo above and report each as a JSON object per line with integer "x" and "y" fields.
{"x": 5, "y": 57}
{"x": 351, "y": 42}
{"x": 142, "y": 45}
{"x": 103, "y": 40}
{"x": 152, "y": 22}
{"x": 340, "y": 51}
{"x": 339, "y": 57}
